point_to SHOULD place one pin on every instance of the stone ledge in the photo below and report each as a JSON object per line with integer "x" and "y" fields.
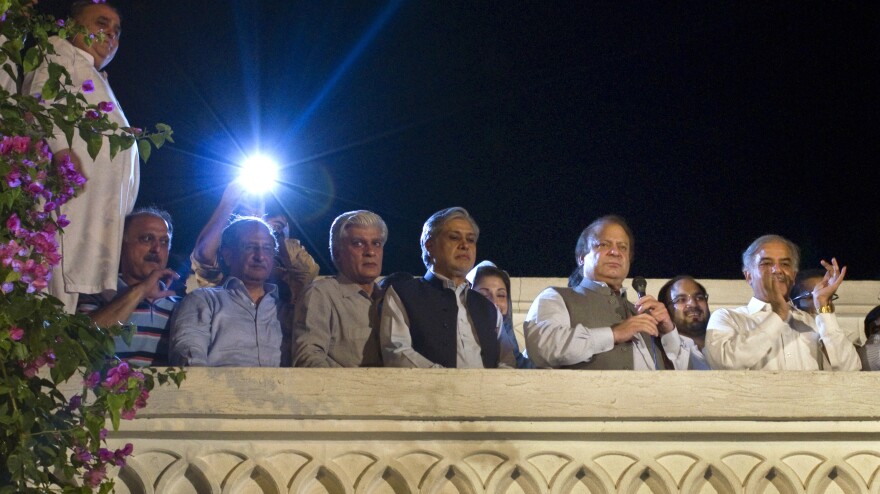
{"x": 492, "y": 395}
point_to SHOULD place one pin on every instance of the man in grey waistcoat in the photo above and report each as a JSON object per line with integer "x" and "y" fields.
{"x": 592, "y": 325}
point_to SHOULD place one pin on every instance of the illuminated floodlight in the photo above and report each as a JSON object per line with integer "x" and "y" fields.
{"x": 258, "y": 174}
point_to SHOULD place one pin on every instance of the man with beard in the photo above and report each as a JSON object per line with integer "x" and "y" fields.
{"x": 142, "y": 297}
{"x": 688, "y": 304}
{"x": 235, "y": 324}
{"x": 770, "y": 333}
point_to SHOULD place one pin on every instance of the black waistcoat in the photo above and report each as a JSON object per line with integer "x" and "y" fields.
{"x": 433, "y": 315}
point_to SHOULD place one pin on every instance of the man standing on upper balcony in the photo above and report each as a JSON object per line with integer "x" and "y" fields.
{"x": 91, "y": 244}
{"x": 770, "y": 333}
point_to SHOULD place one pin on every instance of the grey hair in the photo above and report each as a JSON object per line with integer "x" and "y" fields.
{"x": 78, "y": 7}
{"x": 361, "y": 218}
{"x": 435, "y": 223}
{"x": 231, "y": 237}
{"x": 748, "y": 256}
{"x": 150, "y": 211}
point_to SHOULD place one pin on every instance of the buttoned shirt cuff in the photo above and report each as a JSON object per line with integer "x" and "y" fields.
{"x": 601, "y": 339}
{"x": 823, "y": 322}
{"x": 671, "y": 343}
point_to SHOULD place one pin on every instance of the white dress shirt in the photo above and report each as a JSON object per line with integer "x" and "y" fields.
{"x": 755, "y": 337}
{"x": 552, "y": 342}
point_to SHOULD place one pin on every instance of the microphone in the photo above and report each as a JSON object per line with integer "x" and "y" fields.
{"x": 640, "y": 285}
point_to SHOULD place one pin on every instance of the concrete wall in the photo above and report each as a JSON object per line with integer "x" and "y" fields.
{"x": 492, "y": 431}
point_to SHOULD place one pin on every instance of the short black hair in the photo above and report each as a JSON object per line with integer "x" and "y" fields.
{"x": 664, "y": 294}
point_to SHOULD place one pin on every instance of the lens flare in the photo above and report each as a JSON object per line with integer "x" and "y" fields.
{"x": 258, "y": 174}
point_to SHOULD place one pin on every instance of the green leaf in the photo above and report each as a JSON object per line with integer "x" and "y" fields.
{"x": 157, "y": 140}
{"x": 127, "y": 333}
{"x": 67, "y": 128}
{"x": 114, "y": 406}
{"x": 144, "y": 149}
{"x": 50, "y": 89}
{"x": 93, "y": 141}
{"x": 31, "y": 59}
{"x": 115, "y": 144}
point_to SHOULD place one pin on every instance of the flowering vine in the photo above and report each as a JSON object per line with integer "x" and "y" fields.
{"x": 49, "y": 441}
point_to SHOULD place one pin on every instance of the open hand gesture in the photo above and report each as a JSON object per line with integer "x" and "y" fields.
{"x": 825, "y": 289}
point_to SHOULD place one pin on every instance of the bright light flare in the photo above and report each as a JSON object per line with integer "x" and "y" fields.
{"x": 258, "y": 174}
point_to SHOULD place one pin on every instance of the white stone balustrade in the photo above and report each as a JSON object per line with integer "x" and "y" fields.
{"x": 383, "y": 431}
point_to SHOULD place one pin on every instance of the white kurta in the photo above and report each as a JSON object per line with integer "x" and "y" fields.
{"x": 91, "y": 244}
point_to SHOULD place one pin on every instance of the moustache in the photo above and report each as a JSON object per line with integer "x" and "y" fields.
{"x": 152, "y": 258}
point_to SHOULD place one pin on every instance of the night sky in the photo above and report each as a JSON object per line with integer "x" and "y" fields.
{"x": 704, "y": 124}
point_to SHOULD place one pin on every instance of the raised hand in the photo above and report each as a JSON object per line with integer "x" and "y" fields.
{"x": 825, "y": 289}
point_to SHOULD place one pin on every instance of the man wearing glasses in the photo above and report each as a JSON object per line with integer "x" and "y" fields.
{"x": 142, "y": 297}
{"x": 688, "y": 304}
{"x": 235, "y": 324}
{"x": 770, "y": 333}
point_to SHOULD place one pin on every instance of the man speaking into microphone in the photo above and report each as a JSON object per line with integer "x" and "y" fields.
{"x": 593, "y": 325}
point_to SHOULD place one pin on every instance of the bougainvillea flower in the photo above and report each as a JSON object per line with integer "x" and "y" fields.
{"x": 88, "y": 86}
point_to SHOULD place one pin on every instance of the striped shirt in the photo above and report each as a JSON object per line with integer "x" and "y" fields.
{"x": 149, "y": 343}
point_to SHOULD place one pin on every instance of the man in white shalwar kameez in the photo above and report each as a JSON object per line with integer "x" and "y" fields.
{"x": 91, "y": 244}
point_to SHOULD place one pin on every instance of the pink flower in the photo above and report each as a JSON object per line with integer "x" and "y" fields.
{"x": 13, "y": 178}
{"x": 105, "y": 106}
{"x": 105, "y": 455}
{"x": 59, "y": 22}
{"x": 13, "y": 223}
{"x": 102, "y": 434}
{"x": 16, "y": 333}
{"x": 93, "y": 380}
{"x": 6, "y": 145}
{"x": 93, "y": 115}
{"x": 62, "y": 221}
{"x": 121, "y": 453}
{"x": 7, "y": 287}
{"x": 93, "y": 478}
{"x": 20, "y": 144}
{"x": 82, "y": 454}
{"x": 128, "y": 414}
{"x": 35, "y": 187}
{"x": 88, "y": 86}
{"x": 75, "y": 402}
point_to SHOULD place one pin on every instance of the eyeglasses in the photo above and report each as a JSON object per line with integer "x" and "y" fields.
{"x": 150, "y": 239}
{"x": 810, "y": 294}
{"x": 683, "y": 299}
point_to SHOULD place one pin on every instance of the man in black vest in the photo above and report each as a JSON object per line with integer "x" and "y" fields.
{"x": 437, "y": 320}
{"x": 592, "y": 325}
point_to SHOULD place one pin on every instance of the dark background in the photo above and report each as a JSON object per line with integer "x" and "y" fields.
{"x": 704, "y": 124}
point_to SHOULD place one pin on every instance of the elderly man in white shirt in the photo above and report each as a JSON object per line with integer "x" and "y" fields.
{"x": 770, "y": 333}
{"x": 92, "y": 243}
{"x": 592, "y": 325}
